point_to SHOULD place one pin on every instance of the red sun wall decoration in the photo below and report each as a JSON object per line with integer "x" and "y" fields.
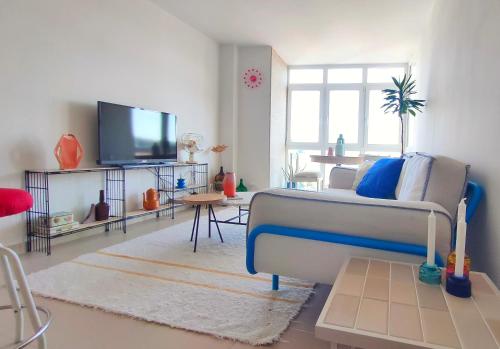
{"x": 252, "y": 78}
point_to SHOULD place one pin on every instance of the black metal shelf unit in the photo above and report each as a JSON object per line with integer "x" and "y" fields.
{"x": 37, "y": 184}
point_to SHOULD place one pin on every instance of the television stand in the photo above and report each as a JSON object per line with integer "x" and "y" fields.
{"x": 37, "y": 184}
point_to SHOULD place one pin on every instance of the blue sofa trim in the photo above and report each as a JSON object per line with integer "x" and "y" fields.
{"x": 474, "y": 194}
{"x": 331, "y": 237}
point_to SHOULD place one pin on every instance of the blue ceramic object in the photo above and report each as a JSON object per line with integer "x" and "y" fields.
{"x": 181, "y": 183}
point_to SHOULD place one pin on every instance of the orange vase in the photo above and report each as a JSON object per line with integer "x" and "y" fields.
{"x": 68, "y": 152}
{"x": 229, "y": 184}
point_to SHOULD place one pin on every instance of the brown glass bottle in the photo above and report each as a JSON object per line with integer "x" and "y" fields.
{"x": 219, "y": 177}
{"x": 102, "y": 208}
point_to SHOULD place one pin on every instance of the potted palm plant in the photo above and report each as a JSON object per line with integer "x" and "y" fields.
{"x": 400, "y": 101}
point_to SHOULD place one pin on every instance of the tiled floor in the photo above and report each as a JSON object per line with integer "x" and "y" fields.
{"x": 76, "y": 327}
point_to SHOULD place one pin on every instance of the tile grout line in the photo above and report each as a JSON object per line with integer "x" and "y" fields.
{"x": 424, "y": 339}
{"x": 362, "y": 293}
{"x": 485, "y": 322}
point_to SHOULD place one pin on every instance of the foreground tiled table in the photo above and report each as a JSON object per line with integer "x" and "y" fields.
{"x": 379, "y": 304}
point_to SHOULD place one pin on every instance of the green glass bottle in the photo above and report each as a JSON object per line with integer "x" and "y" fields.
{"x": 241, "y": 186}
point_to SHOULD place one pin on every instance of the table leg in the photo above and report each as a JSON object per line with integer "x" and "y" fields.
{"x": 209, "y": 224}
{"x": 239, "y": 214}
{"x": 198, "y": 209}
{"x": 194, "y": 222}
{"x": 211, "y": 211}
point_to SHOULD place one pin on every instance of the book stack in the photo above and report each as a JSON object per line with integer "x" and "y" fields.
{"x": 56, "y": 223}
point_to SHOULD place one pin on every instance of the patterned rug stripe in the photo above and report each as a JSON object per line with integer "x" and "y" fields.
{"x": 192, "y": 267}
{"x": 190, "y": 283}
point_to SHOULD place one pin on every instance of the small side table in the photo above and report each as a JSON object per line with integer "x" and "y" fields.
{"x": 204, "y": 199}
{"x": 381, "y": 304}
{"x": 242, "y": 201}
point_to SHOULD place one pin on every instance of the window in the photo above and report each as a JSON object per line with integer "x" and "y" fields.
{"x": 345, "y": 76}
{"x": 326, "y": 101}
{"x": 304, "y": 116}
{"x": 306, "y": 76}
{"x": 384, "y": 74}
{"x": 343, "y": 117}
{"x": 382, "y": 128}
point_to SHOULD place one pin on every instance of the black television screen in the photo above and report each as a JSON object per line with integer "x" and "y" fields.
{"x": 129, "y": 135}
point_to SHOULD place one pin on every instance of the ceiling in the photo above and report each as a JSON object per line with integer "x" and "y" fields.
{"x": 313, "y": 31}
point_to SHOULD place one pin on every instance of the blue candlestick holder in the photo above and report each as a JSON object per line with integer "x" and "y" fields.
{"x": 459, "y": 286}
{"x": 429, "y": 274}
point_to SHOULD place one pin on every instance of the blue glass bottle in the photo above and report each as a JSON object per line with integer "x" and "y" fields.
{"x": 340, "y": 147}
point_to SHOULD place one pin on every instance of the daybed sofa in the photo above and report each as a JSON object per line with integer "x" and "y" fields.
{"x": 308, "y": 235}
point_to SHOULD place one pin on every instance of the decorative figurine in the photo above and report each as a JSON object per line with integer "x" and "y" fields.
{"x": 429, "y": 272}
{"x": 102, "y": 208}
{"x": 150, "y": 200}
{"x": 459, "y": 283}
{"x": 68, "y": 152}
{"x": 241, "y": 187}
{"x": 192, "y": 143}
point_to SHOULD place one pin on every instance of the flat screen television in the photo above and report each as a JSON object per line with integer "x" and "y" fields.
{"x": 130, "y": 135}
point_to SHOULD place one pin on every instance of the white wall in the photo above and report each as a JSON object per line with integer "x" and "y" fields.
{"x": 277, "y": 142}
{"x": 459, "y": 74}
{"x": 58, "y": 57}
{"x": 228, "y": 105}
{"x": 253, "y": 118}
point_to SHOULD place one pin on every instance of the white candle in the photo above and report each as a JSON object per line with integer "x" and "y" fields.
{"x": 462, "y": 208}
{"x": 460, "y": 243}
{"x": 431, "y": 238}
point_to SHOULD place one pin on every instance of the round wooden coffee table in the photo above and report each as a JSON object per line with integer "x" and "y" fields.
{"x": 203, "y": 199}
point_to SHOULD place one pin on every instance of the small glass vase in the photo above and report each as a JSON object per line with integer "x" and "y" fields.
{"x": 450, "y": 265}
{"x": 229, "y": 184}
{"x": 241, "y": 187}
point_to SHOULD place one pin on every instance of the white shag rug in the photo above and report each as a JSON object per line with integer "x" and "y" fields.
{"x": 158, "y": 278}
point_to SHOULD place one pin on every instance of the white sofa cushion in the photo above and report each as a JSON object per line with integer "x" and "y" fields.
{"x": 414, "y": 178}
{"x": 360, "y": 173}
{"x": 447, "y": 183}
{"x": 342, "y": 177}
{"x": 342, "y": 211}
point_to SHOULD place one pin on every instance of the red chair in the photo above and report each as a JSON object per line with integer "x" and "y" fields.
{"x": 14, "y": 201}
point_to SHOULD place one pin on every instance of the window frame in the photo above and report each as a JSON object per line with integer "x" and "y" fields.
{"x": 324, "y": 118}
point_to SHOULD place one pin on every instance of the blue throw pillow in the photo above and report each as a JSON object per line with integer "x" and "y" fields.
{"x": 381, "y": 179}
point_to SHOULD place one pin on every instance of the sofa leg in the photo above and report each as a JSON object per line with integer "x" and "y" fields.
{"x": 276, "y": 282}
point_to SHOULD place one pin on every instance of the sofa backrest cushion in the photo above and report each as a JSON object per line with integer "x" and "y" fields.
{"x": 381, "y": 179}
{"x": 414, "y": 179}
{"x": 360, "y": 173}
{"x": 447, "y": 183}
